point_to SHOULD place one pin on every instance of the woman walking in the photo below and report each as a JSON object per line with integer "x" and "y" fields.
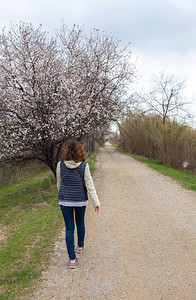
{"x": 75, "y": 185}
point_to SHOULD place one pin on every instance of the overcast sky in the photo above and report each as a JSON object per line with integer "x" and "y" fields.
{"x": 162, "y": 32}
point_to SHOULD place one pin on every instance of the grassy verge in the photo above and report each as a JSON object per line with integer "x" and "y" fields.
{"x": 185, "y": 177}
{"x": 30, "y": 222}
{"x": 15, "y": 172}
{"x": 92, "y": 160}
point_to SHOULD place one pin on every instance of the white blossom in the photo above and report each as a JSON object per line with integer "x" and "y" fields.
{"x": 53, "y": 89}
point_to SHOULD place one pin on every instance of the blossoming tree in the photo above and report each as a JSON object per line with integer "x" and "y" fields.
{"x": 56, "y": 88}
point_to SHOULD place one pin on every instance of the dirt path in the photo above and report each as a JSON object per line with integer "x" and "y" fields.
{"x": 142, "y": 245}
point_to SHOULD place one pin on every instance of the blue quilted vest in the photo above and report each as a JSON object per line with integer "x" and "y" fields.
{"x": 72, "y": 187}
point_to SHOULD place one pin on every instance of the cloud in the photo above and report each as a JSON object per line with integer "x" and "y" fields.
{"x": 154, "y": 25}
{"x": 161, "y": 32}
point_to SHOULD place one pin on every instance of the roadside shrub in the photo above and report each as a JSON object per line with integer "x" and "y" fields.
{"x": 172, "y": 144}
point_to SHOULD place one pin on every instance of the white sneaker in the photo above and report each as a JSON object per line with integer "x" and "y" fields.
{"x": 79, "y": 250}
{"x": 72, "y": 263}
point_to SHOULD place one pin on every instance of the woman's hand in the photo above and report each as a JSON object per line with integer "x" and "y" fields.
{"x": 97, "y": 209}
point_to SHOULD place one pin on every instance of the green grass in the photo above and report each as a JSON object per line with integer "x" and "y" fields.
{"x": 15, "y": 172}
{"x": 92, "y": 160}
{"x": 30, "y": 221}
{"x": 185, "y": 177}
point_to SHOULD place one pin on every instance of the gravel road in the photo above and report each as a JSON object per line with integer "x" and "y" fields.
{"x": 142, "y": 244}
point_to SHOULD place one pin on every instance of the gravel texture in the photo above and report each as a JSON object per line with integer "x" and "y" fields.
{"x": 142, "y": 244}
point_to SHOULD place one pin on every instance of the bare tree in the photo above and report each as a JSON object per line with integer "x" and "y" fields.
{"x": 166, "y": 98}
{"x": 54, "y": 89}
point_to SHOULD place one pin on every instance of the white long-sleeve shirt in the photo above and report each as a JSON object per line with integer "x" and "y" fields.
{"x": 87, "y": 179}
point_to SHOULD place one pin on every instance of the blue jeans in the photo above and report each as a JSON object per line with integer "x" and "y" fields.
{"x": 68, "y": 215}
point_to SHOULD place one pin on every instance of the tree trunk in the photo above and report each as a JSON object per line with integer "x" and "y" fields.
{"x": 164, "y": 149}
{"x": 52, "y": 165}
{"x": 164, "y": 142}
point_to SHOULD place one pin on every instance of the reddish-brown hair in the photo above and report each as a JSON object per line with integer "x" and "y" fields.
{"x": 74, "y": 151}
